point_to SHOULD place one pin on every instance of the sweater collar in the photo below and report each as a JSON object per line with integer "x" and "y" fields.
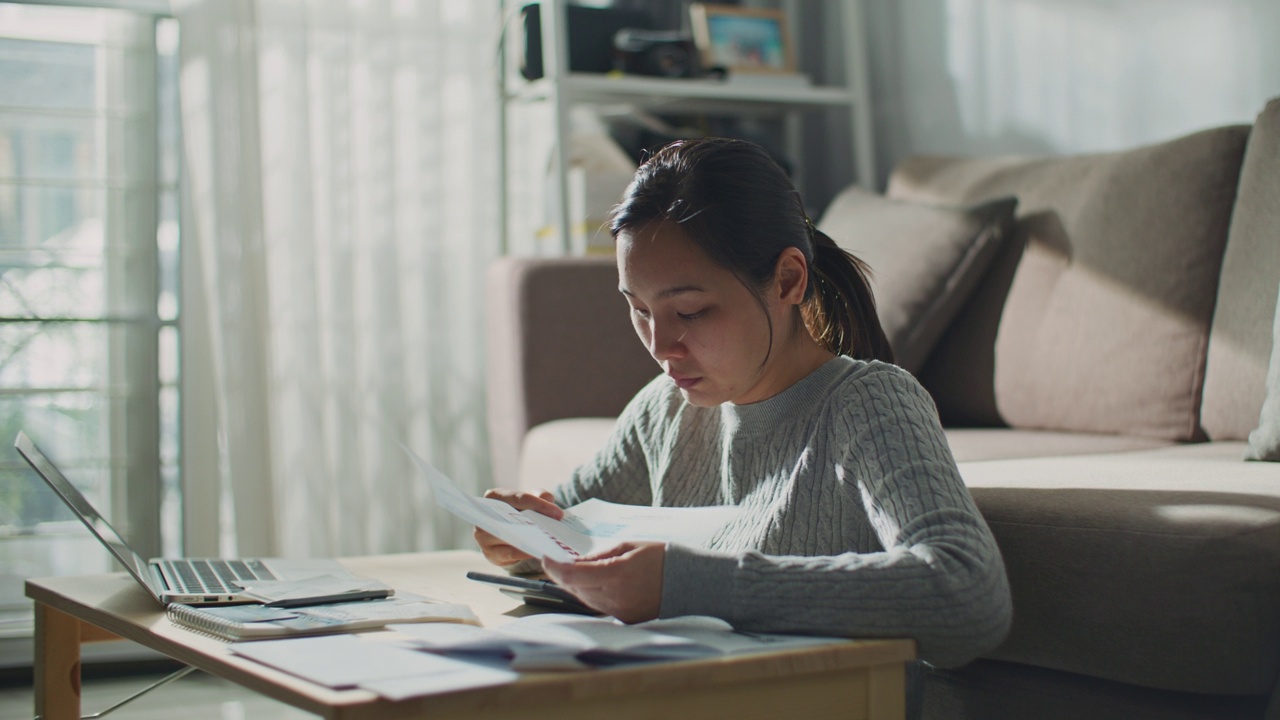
{"x": 768, "y": 415}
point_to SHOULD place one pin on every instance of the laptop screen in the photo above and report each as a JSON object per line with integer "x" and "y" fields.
{"x": 133, "y": 562}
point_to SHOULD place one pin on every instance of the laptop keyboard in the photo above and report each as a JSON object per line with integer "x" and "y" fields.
{"x": 215, "y": 576}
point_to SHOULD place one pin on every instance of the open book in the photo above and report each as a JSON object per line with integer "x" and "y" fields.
{"x": 586, "y": 528}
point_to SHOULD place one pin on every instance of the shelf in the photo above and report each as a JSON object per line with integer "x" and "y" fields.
{"x": 762, "y": 93}
{"x": 792, "y": 100}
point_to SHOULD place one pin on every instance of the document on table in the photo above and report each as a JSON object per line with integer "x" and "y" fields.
{"x": 346, "y": 661}
{"x": 586, "y": 528}
{"x": 558, "y": 641}
{"x": 247, "y": 622}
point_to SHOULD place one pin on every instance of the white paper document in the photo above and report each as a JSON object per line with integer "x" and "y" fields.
{"x": 344, "y": 661}
{"x": 586, "y": 528}
{"x": 559, "y": 641}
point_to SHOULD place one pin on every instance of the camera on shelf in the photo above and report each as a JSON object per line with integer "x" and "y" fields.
{"x": 661, "y": 53}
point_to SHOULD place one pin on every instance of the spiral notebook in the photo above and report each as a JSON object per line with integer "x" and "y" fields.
{"x": 253, "y": 622}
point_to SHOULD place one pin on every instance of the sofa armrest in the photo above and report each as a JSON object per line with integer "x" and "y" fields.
{"x": 560, "y": 345}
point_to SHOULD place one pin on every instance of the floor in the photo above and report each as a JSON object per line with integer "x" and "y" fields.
{"x": 197, "y": 696}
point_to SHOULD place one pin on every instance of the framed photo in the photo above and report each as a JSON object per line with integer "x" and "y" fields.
{"x": 742, "y": 40}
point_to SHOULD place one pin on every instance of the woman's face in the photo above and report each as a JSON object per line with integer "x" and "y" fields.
{"x": 703, "y": 326}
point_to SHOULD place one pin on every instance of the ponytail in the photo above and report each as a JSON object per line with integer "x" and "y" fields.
{"x": 840, "y": 312}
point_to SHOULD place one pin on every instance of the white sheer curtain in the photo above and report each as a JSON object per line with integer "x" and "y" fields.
{"x": 342, "y": 175}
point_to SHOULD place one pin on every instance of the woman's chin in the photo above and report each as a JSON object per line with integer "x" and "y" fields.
{"x": 698, "y": 398}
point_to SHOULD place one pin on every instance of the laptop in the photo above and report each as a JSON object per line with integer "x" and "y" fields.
{"x": 191, "y": 581}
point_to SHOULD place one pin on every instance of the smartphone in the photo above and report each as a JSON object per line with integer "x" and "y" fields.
{"x": 540, "y": 593}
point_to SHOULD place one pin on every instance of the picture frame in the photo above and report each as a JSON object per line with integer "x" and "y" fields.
{"x": 742, "y": 40}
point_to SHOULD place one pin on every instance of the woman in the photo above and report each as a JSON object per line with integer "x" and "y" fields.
{"x": 777, "y": 396}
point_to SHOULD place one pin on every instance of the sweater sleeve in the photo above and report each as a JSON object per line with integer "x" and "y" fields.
{"x": 939, "y": 578}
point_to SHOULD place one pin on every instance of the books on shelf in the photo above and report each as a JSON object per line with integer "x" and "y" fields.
{"x": 252, "y": 622}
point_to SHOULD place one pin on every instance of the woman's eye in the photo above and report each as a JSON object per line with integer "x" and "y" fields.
{"x": 640, "y": 312}
{"x": 692, "y": 315}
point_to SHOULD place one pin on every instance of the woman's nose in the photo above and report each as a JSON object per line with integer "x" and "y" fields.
{"x": 664, "y": 344}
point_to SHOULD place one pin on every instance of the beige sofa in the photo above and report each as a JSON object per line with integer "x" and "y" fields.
{"x": 1099, "y": 360}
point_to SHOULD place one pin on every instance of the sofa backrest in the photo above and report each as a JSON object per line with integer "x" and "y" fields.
{"x": 1240, "y": 342}
{"x": 560, "y": 345}
{"x": 1098, "y": 311}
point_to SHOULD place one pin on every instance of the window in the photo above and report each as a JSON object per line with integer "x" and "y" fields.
{"x": 89, "y": 201}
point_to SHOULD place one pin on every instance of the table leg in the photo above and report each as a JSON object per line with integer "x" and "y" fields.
{"x": 887, "y": 691}
{"x": 57, "y": 664}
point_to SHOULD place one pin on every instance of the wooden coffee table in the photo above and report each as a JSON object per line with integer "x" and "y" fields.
{"x": 858, "y": 679}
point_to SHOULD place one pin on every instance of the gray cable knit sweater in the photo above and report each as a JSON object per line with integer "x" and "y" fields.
{"x": 856, "y": 520}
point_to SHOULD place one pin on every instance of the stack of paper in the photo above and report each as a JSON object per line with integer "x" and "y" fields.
{"x": 558, "y": 641}
{"x": 348, "y": 661}
{"x": 458, "y": 657}
{"x": 246, "y": 622}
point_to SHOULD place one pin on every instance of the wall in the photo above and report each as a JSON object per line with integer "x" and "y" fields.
{"x": 1064, "y": 76}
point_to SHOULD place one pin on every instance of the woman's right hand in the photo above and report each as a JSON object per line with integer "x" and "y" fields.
{"x": 498, "y": 551}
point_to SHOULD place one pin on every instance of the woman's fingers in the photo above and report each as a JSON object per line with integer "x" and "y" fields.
{"x": 541, "y": 502}
{"x": 499, "y": 552}
{"x": 625, "y": 581}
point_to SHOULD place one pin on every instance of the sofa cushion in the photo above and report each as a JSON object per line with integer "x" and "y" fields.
{"x": 1240, "y": 343}
{"x": 1159, "y": 568}
{"x": 994, "y": 690}
{"x": 1106, "y": 317}
{"x": 925, "y": 260}
{"x": 1106, "y": 322}
{"x": 1264, "y": 441}
{"x": 553, "y": 450}
{"x": 969, "y": 444}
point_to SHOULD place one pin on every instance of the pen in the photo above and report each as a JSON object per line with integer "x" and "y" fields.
{"x": 377, "y": 594}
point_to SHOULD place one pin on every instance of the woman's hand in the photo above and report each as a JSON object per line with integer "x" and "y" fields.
{"x": 498, "y": 551}
{"x": 625, "y": 581}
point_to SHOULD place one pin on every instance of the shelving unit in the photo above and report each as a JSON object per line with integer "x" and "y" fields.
{"x": 740, "y": 96}
{"x": 693, "y": 94}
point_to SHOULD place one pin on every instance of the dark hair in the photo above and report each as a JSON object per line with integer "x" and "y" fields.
{"x": 741, "y": 209}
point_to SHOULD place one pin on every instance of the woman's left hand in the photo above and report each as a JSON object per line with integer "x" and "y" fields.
{"x": 625, "y": 581}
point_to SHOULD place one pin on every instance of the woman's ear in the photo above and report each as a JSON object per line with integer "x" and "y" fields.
{"x": 791, "y": 275}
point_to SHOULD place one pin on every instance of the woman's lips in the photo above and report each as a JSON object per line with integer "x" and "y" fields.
{"x": 684, "y": 382}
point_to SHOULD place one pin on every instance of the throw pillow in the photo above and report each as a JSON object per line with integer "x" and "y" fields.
{"x": 1264, "y": 442}
{"x": 1105, "y": 325}
{"x": 1235, "y": 368}
{"x": 925, "y": 260}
